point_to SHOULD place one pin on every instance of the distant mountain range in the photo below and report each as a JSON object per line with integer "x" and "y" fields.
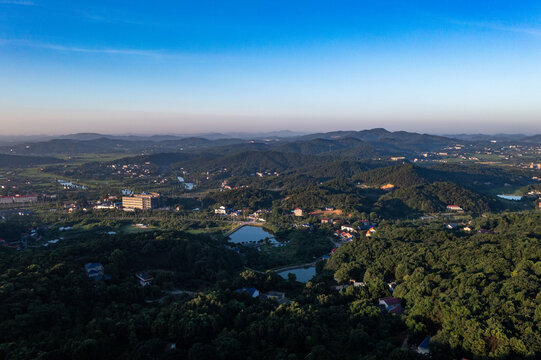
{"x": 354, "y": 144}
{"x": 13, "y": 140}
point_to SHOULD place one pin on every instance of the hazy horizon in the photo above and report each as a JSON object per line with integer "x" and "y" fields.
{"x": 245, "y": 133}
{"x": 456, "y": 67}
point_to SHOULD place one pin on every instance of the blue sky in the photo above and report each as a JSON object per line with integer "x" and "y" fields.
{"x": 197, "y": 66}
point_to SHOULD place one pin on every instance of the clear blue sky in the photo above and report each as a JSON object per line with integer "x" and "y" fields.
{"x": 194, "y": 66}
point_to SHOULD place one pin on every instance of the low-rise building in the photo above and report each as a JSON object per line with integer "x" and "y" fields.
{"x": 25, "y": 199}
{"x": 94, "y": 271}
{"x": 424, "y": 346}
{"x": 141, "y": 201}
{"x": 253, "y": 292}
{"x": 347, "y": 227}
{"x": 19, "y": 199}
{"x": 144, "y": 278}
{"x": 370, "y": 232}
{"x": 222, "y": 210}
{"x": 389, "y": 302}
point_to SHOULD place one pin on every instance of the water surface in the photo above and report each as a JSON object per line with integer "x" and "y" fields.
{"x": 510, "y": 197}
{"x": 250, "y": 235}
{"x": 303, "y": 274}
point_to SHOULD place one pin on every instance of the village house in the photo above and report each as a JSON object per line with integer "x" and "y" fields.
{"x": 392, "y": 305}
{"x": 345, "y": 236}
{"x": 9, "y": 245}
{"x": 94, "y": 271}
{"x": 389, "y": 302}
{"x": 485, "y": 231}
{"x": 348, "y": 227}
{"x": 222, "y": 210}
{"x": 365, "y": 224}
{"x": 340, "y": 287}
{"x": 297, "y": 212}
{"x": 424, "y": 346}
{"x": 454, "y": 208}
{"x": 370, "y": 232}
{"x": 274, "y": 295}
{"x": 356, "y": 283}
{"x": 144, "y": 278}
{"x": 253, "y": 292}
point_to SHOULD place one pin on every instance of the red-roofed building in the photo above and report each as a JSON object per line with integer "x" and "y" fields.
{"x": 389, "y": 301}
{"x": 396, "y": 310}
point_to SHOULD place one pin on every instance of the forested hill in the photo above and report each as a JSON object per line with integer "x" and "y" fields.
{"x": 476, "y": 294}
{"x": 475, "y": 177}
{"x": 350, "y": 146}
{"x": 398, "y": 175}
{"x": 398, "y": 140}
{"x": 436, "y": 196}
{"x": 254, "y": 161}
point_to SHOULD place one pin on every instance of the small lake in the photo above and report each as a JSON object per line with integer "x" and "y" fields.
{"x": 250, "y": 235}
{"x": 303, "y": 274}
{"x": 510, "y": 197}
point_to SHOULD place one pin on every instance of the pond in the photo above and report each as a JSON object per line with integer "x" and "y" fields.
{"x": 303, "y": 274}
{"x": 510, "y": 197}
{"x": 250, "y": 235}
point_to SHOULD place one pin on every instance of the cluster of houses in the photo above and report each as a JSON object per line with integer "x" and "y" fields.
{"x": 10, "y": 245}
{"x": 467, "y": 228}
{"x": 278, "y": 296}
{"x": 68, "y": 185}
{"x": 19, "y": 199}
{"x": 346, "y": 232}
{"x": 140, "y": 171}
{"x": 255, "y": 216}
{"x": 95, "y": 271}
{"x": 266, "y": 173}
{"x": 187, "y": 185}
{"x": 344, "y": 235}
{"x": 109, "y": 202}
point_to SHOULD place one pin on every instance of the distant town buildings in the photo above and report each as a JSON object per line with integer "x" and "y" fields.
{"x": 18, "y": 199}
{"x": 142, "y": 201}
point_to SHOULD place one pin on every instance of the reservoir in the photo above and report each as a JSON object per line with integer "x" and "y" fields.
{"x": 250, "y": 235}
{"x": 303, "y": 274}
{"x": 510, "y": 197}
